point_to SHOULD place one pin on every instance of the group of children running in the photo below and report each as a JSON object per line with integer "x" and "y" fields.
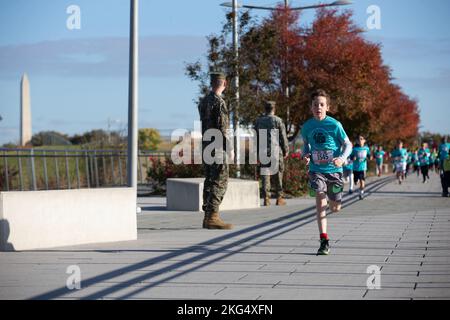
{"x": 331, "y": 157}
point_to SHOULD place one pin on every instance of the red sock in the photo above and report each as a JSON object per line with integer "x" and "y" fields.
{"x": 324, "y": 236}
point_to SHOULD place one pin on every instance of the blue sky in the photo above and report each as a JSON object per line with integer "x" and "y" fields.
{"x": 78, "y": 78}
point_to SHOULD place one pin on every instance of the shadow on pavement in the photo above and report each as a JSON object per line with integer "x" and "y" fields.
{"x": 4, "y": 236}
{"x": 276, "y": 227}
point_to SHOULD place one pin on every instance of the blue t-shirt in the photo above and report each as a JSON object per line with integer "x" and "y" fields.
{"x": 323, "y": 140}
{"x": 399, "y": 155}
{"x": 379, "y": 156}
{"x": 444, "y": 149}
{"x": 424, "y": 157}
{"x": 360, "y": 156}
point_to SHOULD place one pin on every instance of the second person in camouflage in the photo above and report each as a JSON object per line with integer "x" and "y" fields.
{"x": 264, "y": 127}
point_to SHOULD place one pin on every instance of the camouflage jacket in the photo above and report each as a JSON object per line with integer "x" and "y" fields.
{"x": 214, "y": 115}
{"x": 270, "y": 122}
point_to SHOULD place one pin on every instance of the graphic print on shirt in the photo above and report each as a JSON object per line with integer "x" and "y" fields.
{"x": 321, "y": 156}
{"x": 361, "y": 155}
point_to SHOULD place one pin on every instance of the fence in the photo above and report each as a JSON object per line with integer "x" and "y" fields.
{"x": 39, "y": 169}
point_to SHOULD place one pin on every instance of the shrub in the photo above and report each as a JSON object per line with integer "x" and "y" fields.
{"x": 160, "y": 169}
{"x": 295, "y": 178}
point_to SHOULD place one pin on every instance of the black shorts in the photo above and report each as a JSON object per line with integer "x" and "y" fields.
{"x": 359, "y": 175}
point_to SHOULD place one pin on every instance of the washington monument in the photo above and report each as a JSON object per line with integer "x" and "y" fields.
{"x": 25, "y": 111}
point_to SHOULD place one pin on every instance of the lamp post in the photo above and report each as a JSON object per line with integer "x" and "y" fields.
{"x": 237, "y": 146}
{"x": 133, "y": 97}
{"x": 234, "y": 6}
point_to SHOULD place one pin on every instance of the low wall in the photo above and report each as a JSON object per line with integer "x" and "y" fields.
{"x": 46, "y": 219}
{"x": 187, "y": 194}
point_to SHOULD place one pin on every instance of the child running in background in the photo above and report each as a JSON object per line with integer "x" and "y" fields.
{"x": 424, "y": 159}
{"x": 409, "y": 161}
{"x": 348, "y": 174}
{"x": 400, "y": 157}
{"x": 416, "y": 162}
{"x": 379, "y": 158}
{"x": 446, "y": 176}
{"x": 360, "y": 155}
{"x": 433, "y": 158}
{"x": 444, "y": 150}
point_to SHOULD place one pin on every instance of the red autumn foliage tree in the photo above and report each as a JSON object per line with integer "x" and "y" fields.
{"x": 281, "y": 61}
{"x": 351, "y": 69}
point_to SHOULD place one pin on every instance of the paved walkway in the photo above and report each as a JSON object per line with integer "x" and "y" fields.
{"x": 402, "y": 230}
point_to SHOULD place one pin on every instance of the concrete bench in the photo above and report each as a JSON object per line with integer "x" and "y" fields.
{"x": 187, "y": 194}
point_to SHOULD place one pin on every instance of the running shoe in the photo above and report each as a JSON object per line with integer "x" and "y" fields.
{"x": 324, "y": 249}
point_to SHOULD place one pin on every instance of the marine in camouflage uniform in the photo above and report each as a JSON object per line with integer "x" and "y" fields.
{"x": 214, "y": 115}
{"x": 270, "y": 121}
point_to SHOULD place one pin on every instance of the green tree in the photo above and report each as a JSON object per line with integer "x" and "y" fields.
{"x": 50, "y": 138}
{"x": 149, "y": 139}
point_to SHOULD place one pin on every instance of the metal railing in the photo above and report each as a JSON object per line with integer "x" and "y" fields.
{"x": 45, "y": 169}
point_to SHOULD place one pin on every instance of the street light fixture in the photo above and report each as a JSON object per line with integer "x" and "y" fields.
{"x": 332, "y": 4}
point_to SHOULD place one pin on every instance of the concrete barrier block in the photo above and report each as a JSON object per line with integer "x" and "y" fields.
{"x": 187, "y": 194}
{"x": 46, "y": 219}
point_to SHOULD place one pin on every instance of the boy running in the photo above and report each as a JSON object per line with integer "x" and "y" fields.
{"x": 433, "y": 157}
{"x": 324, "y": 138}
{"x": 416, "y": 162}
{"x": 409, "y": 161}
{"x": 446, "y": 176}
{"x": 360, "y": 155}
{"x": 348, "y": 174}
{"x": 400, "y": 158}
{"x": 379, "y": 157}
{"x": 444, "y": 149}
{"x": 424, "y": 158}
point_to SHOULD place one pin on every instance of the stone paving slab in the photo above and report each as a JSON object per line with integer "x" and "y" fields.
{"x": 404, "y": 230}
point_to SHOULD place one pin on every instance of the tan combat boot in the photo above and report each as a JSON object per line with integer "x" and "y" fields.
{"x": 213, "y": 221}
{"x": 281, "y": 201}
{"x": 266, "y": 201}
{"x": 204, "y": 220}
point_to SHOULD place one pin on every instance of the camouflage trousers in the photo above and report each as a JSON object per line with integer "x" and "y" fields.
{"x": 214, "y": 187}
{"x": 277, "y": 179}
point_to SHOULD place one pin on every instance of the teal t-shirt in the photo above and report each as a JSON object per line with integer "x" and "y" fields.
{"x": 416, "y": 160}
{"x": 379, "y": 156}
{"x": 410, "y": 158}
{"x": 444, "y": 149}
{"x": 424, "y": 157}
{"x": 399, "y": 155}
{"x": 360, "y": 156}
{"x": 323, "y": 140}
{"x": 433, "y": 157}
